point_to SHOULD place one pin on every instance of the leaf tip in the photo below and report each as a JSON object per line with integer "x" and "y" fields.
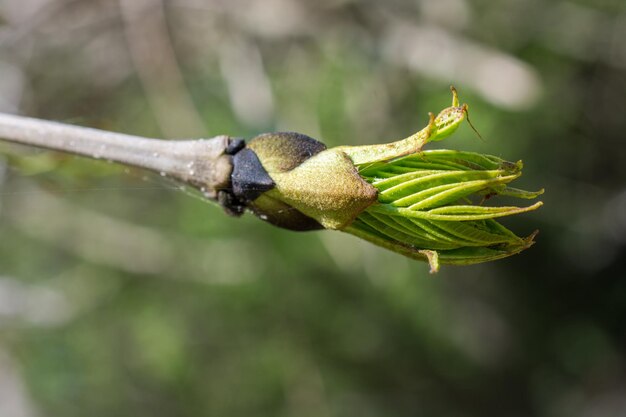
{"x": 433, "y": 259}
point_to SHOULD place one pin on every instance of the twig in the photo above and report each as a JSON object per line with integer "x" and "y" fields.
{"x": 201, "y": 163}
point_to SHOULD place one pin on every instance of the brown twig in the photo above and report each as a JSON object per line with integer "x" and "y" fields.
{"x": 202, "y": 163}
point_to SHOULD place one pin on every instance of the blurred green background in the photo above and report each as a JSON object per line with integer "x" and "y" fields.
{"x": 122, "y": 295}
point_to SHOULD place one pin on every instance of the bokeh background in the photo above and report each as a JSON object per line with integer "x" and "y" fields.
{"x": 123, "y": 295}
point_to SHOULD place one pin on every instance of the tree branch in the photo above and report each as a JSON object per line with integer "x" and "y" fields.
{"x": 202, "y": 163}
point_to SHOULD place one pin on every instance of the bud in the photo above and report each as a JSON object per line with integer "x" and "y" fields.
{"x": 427, "y": 205}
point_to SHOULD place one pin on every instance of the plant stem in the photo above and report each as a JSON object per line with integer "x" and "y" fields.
{"x": 201, "y": 163}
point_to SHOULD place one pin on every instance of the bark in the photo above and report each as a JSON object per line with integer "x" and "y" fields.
{"x": 202, "y": 163}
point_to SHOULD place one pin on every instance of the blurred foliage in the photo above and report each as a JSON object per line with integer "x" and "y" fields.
{"x": 121, "y": 295}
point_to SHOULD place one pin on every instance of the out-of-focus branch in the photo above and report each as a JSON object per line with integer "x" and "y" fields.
{"x": 154, "y": 58}
{"x": 202, "y": 163}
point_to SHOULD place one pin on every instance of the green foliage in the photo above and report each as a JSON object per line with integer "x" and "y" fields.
{"x": 425, "y": 207}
